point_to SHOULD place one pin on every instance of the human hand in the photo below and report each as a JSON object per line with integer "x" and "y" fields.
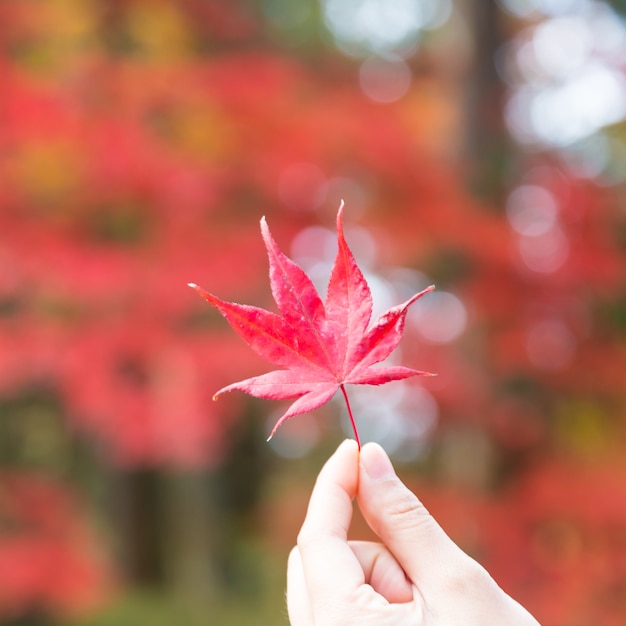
{"x": 416, "y": 576}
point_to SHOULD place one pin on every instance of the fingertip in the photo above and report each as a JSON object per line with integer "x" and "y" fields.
{"x": 347, "y": 446}
{"x": 399, "y": 517}
{"x": 375, "y": 462}
{"x": 337, "y": 479}
{"x": 343, "y": 464}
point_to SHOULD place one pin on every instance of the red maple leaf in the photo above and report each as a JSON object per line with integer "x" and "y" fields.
{"x": 322, "y": 346}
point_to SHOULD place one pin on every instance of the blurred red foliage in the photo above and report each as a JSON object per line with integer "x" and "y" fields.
{"x": 555, "y": 540}
{"x": 49, "y": 560}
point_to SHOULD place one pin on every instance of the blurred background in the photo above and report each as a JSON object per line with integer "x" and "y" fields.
{"x": 478, "y": 145}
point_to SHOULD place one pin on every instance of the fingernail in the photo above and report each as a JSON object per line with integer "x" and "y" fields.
{"x": 375, "y": 462}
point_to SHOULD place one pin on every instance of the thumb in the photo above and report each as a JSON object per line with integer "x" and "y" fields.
{"x": 401, "y": 521}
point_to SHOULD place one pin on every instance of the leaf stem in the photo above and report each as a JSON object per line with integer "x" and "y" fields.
{"x": 354, "y": 428}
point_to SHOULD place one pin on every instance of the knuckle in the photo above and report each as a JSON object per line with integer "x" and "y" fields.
{"x": 406, "y": 511}
{"x": 467, "y": 577}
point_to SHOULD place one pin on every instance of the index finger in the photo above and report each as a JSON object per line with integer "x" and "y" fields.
{"x": 330, "y": 567}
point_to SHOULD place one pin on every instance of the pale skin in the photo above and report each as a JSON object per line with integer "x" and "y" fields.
{"x": 415, "y": 576}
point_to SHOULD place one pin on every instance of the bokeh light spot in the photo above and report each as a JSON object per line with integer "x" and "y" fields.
{"x": 385, "y": 80}
{"x": 440, "y": 317}
{"x": 531, "y": 210}
{"x": 382, "y": 25}
{"x": 595, "y": 97}
{"x": 562, "y": 45}
{"x": 531, "y": 8}
{"x": 401, "y": 419}
{"x": 296, "y": 437}
{"x": 545, "y": 253}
